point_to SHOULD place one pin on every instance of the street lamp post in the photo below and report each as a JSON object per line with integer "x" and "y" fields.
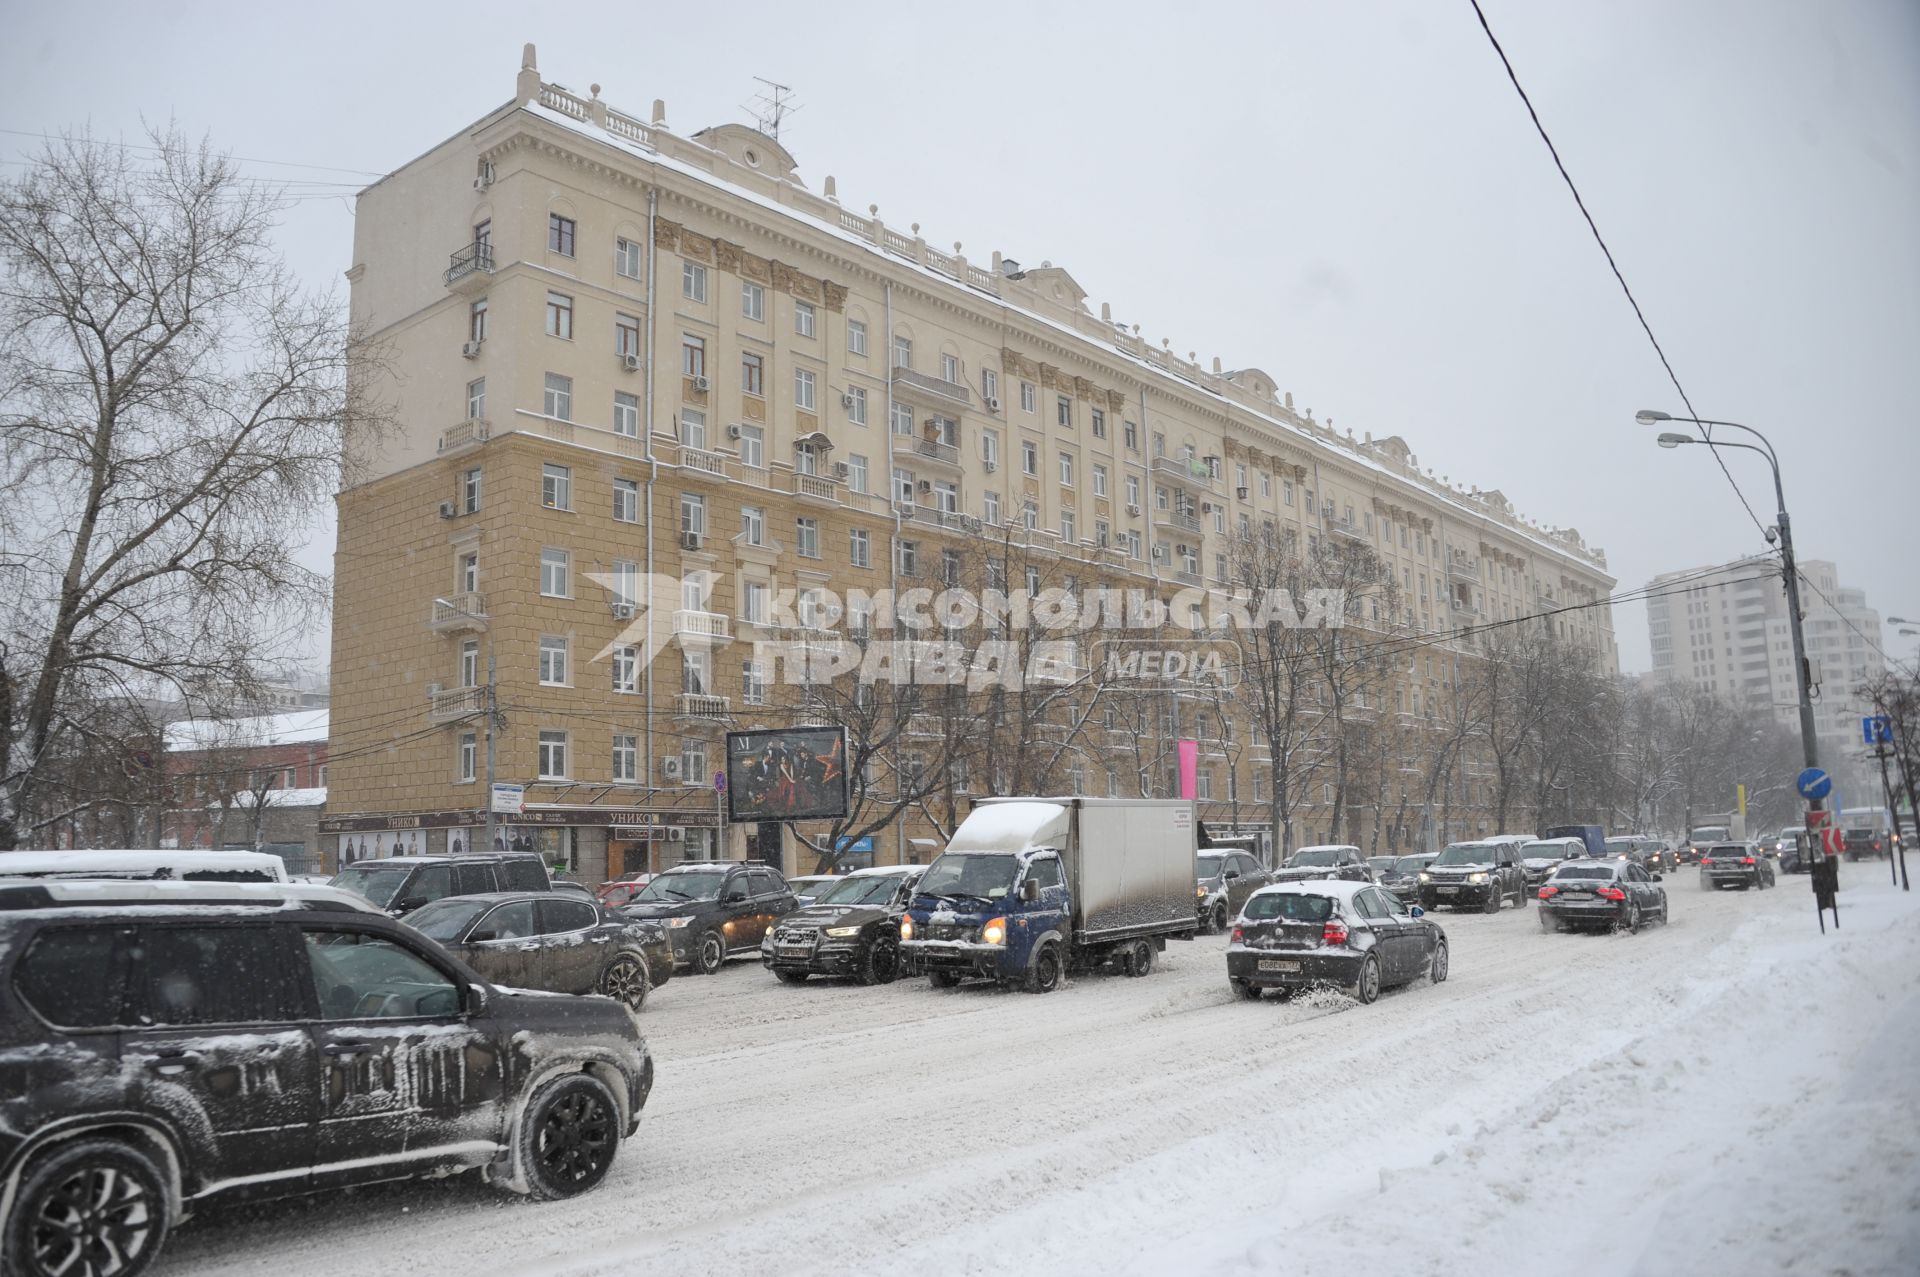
{"x": 1809, "y": 736}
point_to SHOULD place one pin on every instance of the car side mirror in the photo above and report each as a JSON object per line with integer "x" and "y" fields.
{"x": 1229, "y": 874}
{"x": 410, "y": 904}
{"x": 1417, "y": 912}
{"x": 1030, "y": 890}
{"x": 1659, "y": 878}
{"x": 481, "y": 937}
{"x": 476, "y": 999}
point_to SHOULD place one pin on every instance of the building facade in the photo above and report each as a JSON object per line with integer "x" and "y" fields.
{"x": 652, "y": 385}
{"x": 250, "y": 783}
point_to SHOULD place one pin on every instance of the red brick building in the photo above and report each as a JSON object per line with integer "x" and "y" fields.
{"x": 220, "y": 771}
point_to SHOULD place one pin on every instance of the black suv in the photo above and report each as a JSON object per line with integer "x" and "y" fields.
{"x": 851, "y": 928}
{"x": 1481, "y": 874}
{"x": 401, "y": 884}
{"x": 713, "y": 909}
{"x": 166, "y": 1044}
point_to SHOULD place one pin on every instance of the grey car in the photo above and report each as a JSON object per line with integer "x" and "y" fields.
{"x": 551, "y": 941}
{"x": 1223, "y": 879}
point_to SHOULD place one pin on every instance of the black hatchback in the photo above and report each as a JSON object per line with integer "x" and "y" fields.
{"x": 1351, "y": 935}
{"x": 168, "y": 1044}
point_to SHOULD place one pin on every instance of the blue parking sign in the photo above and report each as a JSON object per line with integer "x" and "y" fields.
{"x": 1876, "y": 729}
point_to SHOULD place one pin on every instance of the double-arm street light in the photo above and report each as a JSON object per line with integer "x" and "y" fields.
{"x": 1809, "y": 739}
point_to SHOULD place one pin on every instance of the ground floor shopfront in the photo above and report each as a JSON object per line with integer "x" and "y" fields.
{"x": 587, "y": 844}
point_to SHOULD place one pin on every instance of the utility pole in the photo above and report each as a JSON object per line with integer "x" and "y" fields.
{"x": 1898, "y": 870}
{"x": 493, "y": 711}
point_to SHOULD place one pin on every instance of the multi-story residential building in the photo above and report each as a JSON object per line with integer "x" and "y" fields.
{"x": 1726, "y": 629}
{"x": 223, "y": 773}
{"x": 618, "y": 355}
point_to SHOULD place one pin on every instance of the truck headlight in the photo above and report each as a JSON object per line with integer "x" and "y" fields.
{"x": 994, "y": 932}
{"x": 677, "y": 923}
{"x": 906, "y": 928}
{"x": 843, "y": 933}
{"x": 1476, "y": 878}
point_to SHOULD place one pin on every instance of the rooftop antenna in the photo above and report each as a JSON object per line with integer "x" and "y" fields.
{"x": 770, "y": 107}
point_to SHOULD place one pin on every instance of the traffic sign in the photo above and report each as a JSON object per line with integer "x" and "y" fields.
{"x": 1817, "y": 820}
{"x": 1814, "y": 784}
{"x": 720, "y": 782}
{"x": 509, "y": 800}
{"x": 1832, "y": 841}
{"x": 1876, "y": 729}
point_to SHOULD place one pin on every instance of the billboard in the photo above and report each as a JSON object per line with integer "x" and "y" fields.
{"x": 383, "y": 842}
{"x": 795, "y": 773}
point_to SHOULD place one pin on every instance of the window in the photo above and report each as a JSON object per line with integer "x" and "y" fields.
{"x": 990, "y": 384}
{"x": 901, "y": 418}
{"x": 693, "y": 355}
{"x": 1066, "y": 470}
{"x": 753, "y": 302}
{"x": 1029, "y": 458}
{"x": 626, "y": 668}
{"x": 949, "y": 367}
{"x": 1132, "y": 434}
{"x": 753, "y": 447}
{"x": 1133, "y": 490}
{"x": 903, "y": 486}
{"x": 903, "y": 352}
{"x": 1286, "y": 489}
{"x": 1132, "y": 539}
{"x": 990, "y": 448}
{"x": 470, "y": 485}
{"x": 803, "y": 319}
{"x": 552, "y": 756}
{"x": 1099, "y": 424}
{"x": 1067, "y": 526}
{"x": 803, "y": 381}
{"x": 857, "y": 405}
{"x": 72, "y": 976}
{"x": 626, "y": 414}
{"x": 753, "y": 376}
{"x": 469, "y": 573}
{"x": 465, "y": 762}
{"x": 559, "y": 397}
{"x": 1029, "y": 516}
{"x": 1099, "y": 481}
{"x": 626, "y": 258}
{"x": 990, "y": 507}
{"x": 859, "y": 548}
{"x": 560, "y": 234}
{"x": 693, "y": 770}
{"x": 693, "y": 513}
{"x": 554, "y": 571}
{"x": 693, "y": 428}
{"x": 556, "y": 487}
{"x": 946, "y": 497}
{"x": 476, "y": 399}
{"x": 1063, "y": 412}
{"x": 626, "y": 335}
{"x": 212, "y": 975}
{"x": 626, "y": 758}
{"x": 361, "y": 976}
{"x": 856, "y": 337}
{"x": 560, "y": 316}
{"x": 753, "y": 525}
{"x": 626, "y": 582}
{"x": 553, "y": 660}
{"x": 693, "y": 281}
{"x": 857, "y": 473}
{"x": 1029, "y": 398}
{"x": 807, "y": 538}
{"x": 753, "y": 683}
{"x": 696, "y": 671}
{"x": 909, "y": 556}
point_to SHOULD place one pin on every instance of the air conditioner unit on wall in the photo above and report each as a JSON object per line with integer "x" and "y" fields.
{"x": 993, "y": 405}
{"x": 674, "y": 832}
{"x": 689, "y": 540}
{"x": 733, "y": 432}
{"x": 841, "y": 470}
{"x": 470, "y": 350}
{"x": 630, "y": 362}
{"x": 1134, "y": 510}
{"x": 991, "y": 465}
{"x": 846, "y": 401}
{"x": 670, "y": 767}
{"x": 700, "y": 384}
{"x": 446, "y": 509}
{"x": 622, "y": 611}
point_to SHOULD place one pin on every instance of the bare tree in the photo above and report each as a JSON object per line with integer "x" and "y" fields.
{"x": 172, "y": 410}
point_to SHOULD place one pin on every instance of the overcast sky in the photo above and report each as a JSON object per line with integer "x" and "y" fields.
{"x": 1347, "y": 194}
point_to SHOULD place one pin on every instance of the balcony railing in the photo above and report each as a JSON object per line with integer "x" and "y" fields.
{"x": 471, "y": 431}
{"x": 1343, "y": 528}
{"x": 1189, "y": 470}
{"x": 938, "y": 388}
{"x": 475, "y": 260}
{"x": 700, "y": 459}
{"x": 707, "y": 625}
{"x": 812, "y": 485}
{"x": 951, "y": 520}
{"x": 1185, "y": 520}
{"x": 1463, "y": 568}
{"x": 935, "y": 450}
{"x": 461, "y": 612}
{"x": 444, "y": 705}
{"x": 694, "y": 705}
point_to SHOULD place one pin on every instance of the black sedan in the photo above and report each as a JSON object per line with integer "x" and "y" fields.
{"x": 851, "y": 929}
{"x": 1601, "y": 894}
{"x": 544, "y": 940}
{"x": 1735, "y": 864}
{"x": 1353, "y": 935}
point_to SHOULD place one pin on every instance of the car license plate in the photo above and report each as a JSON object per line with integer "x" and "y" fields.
{"x": 1278, "y": 964}
{"x": 1446, "y": 891}
{"x": 1576, "y": 895}
{"x": 792, "y": 951}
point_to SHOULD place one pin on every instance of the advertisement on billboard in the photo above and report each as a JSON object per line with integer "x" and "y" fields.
{"x": 796, "y": 773}
{"x": 385, "y": 842}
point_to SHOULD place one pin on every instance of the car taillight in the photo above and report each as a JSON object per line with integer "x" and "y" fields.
{"x": 1746, "y": 860}
{"x": 1611, "y": 893}
{"x": 1876, "y": 844}
{"x": 1706, "y": 860}
{"x": 1239, "y": 934}
{"x": 1546, "y": 892}
{"x": 1334, "y": 932}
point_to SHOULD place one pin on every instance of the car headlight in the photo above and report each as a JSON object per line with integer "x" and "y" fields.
{"x": 1476, "y": 878}
{"x": 994, "y": 932}
{"x": 677, "y": 923}
{"x": 1425, "y": 876}
{"x": 843, "y": 933}
{"x": 1199, "y": 893}
{"x": 906, "y": 928}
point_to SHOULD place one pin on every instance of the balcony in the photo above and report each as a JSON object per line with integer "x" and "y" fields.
{"x": 702, "y": 625}
{"x": 1189, "y": 575}
{"x": 948, "y": 520}
{"x": 936, "y": 450}
{"x": 1463, "y": 567}
{"x": 469, "y": 432}
{"x": 1188, "y": 470}
{"x": 813, "y": 487}
{"x": 459, "y": 614}
{"x": 1181, "y": 520}
{"x": 701, "y": 461}
{"x": 446, "y": 705}
{"x": 1341, "y": 527}
{"x": 694, "y": 705}
{"x": 471, "y": 269}
{"x": 930, "y": 390}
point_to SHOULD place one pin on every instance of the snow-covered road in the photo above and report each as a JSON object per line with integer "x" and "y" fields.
{"x": 1731, "y": 1093}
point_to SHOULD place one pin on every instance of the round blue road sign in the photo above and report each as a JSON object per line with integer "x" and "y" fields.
{"x": 1813, "y": 784}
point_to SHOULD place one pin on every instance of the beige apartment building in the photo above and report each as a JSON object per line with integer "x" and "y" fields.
{"x": 620, "y": 355}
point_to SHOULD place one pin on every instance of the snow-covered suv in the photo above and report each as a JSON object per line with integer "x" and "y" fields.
{"x": 165, "y": 1044}
{"x": 1478, "y": 874}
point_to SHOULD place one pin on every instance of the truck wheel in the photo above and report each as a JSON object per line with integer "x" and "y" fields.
{"x": 712, "y": 951}
{"x": 791, "y": 977}
{"x": 1249, "y": 992}
{"x": 943, "y": 979}
{"x": 1139, "y": 959}
{"x": 568, "y": 1136}
{"x": 1366, "y": 987}
{"x": 1217, "y": 920}
{"x": 1044, "y": 975}
{"x": 881, "y": 965}
{"x": 91, "y": 1206}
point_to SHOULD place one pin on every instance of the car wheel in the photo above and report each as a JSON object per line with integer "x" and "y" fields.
{"x": 1366, "y": 987}
{"x": 1043, "y": 976}
{"x": 1633, "y": 918}
{"x": 1547, "y": 923}
{"x": 1437, "y": 972}
{"x": 1139, "y": 958}
{"x": 943, "y": 979}
{"x": 1493, "y": 902}
{"x": 568, "y": 1136}
{"x": 1520, "y": 897}
{"x": 1217, "y": 921}
{"x": 1250, "y": 992}
{"x": 881, "y": 964}
{"x": 712, "y": 951}
{"x": 791, "y": 977}
{"x": 94, "y": 1206}
{"x": 625, "y": 980}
